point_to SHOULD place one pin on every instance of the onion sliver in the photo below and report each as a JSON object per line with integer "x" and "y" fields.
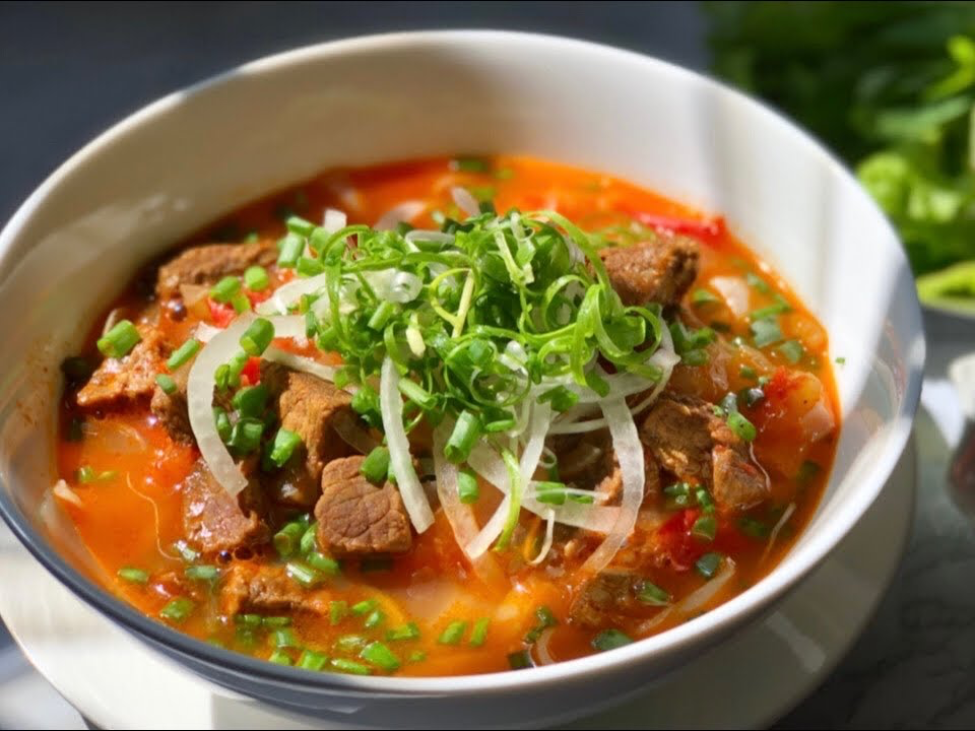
{"x": 351, "y": 433}
{"x": 63, "y": 492}
{"x": 287, "y": 294}
{"x": 549, "y": 537}
{"x": 221, "y": 348}
{"x": 204, "y": 332}
{"x": 696, "y": 600}
{"x": 787, "y": 513}
{"x": 334, "y": 220}
{"x": 405, "y": 211}
{"x": 300, "y": 363}
{"x": 629, "y": 454}
{"x": 541, "y": 647}
{"x": 291, "y": 327}
{"x": 391, "y": 407}
{"x": 465, "y": 201}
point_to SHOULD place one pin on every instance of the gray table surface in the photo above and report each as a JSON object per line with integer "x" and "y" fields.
{"x": 67, "y": 71}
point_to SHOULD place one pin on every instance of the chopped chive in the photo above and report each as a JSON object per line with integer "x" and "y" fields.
{"x": 350, "y": 643}
{"x": 282, "y": 447}
{"x": 841, "y": 360}
{"x": 303, "y": 574}
{"x": 470, "y": 165}
{"x": 417, "y": 394}
{"x": 251, "y": 401}
{"x": 177, "y": 610}
{"x": 186, "y": 552}
{"x": 375, "y": 466}
{"x": 757, "y": 282}
{"x": 374, "y": 619}
{"x": 417, "y": 656}
{"x": 256, "y": 278}
{"x": 284, "y": 637}
{"x": 544, "y": 619}
{"x": 85, "y": 474}
{"x": 240, "y": 303}
{"x": 792, "y": 351}
{"x": 705, "y": 527}
{"x": 321, "y": 562}
{"x": 133, "y": 575}
{"x": 479, "y": 632}
{"x": 290, "y": 249}
{"x": 309, "y": 541}
{"x": 350, "y": 666}
{"x": 280, "y": 657}
{"x": 707, "y": 566}
{"x": 561, "y": 398}
{"x": 364, "y": 607}
{"x": 245, "y": 637}
{"x": 308, "y": 267}
{"x": 274, "y": 622}
{"x": 224, "y": 290}
{"x": 298, "y": 225}
{"x": 748, "y": 372}
{"x": 337, "y": 611}
{"x": 119, "y": 341}
{"x": 695, "y": 358}
{"x": 409, "y": 631}
{"x": 257, "y": 337}
{"x": 222, "y": 421}
{"x": 311, "y": 660}
{"x": 520, "y": 660}
{"x": 770, "y": 311}
{"x": 462, "y": 440}
{"x": 201, "y": 572}
{"x": 166, "y": 383}
{"x": 217, "y": 642}
{"x": 453, "y": 633}
{"x": 467, "y": 487}
{"x": 765, "y": 332}
{"x": 245, "y": 436}
{"x": 610, "y": 639}
{"x": 703, "y": 297}
{"x": 742, "y": 427}
{"x": 380, "y": 655}
{"x": 754, "y": 528}
{"x": 182, "y": 354}
{"x": 381, "y": 316}
{"x": 650, "y": 593}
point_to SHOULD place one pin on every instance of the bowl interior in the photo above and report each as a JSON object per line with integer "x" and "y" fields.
{"x": 198, "y": 154}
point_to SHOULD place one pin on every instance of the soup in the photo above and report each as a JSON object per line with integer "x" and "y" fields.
{"x": 446, "y": 416}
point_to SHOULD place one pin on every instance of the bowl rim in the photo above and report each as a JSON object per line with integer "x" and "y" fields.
{"x": 696, "y": 631}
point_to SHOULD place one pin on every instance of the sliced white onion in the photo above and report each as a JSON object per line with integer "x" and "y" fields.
{"x": 204, "y": 332}
{"x": 629, "y": 454}
{"x": 334, "y": 220}
{"x": 291, "y": 327}
{"x": 301, "y": 363}
{"x": 465, "y": 201}
{"x": 221, "y": 348}
{"x": 786, "y": 514}
{"x": 391, "y": 407}
{"x": 65, "y": 493}
{"x": 695, "y": 601}
{"x": 549, "y": 536}
{"x": 405, "y": 211}
{"x": 419, "y": 234}
{"x": 735, "y": 293}
{"x": 288, "y": 294}
{"x": 394, "y": 285}
{"x": 492, "y": 529}
{"x": 542, "y": 652}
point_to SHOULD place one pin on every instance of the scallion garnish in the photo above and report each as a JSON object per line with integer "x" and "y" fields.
{"x": 381, "y": 656}
{"x": 303, "y": 574}
{"x": 133, "y": 575}
{"x": 453, "y": 633}
{"x": 409, "y": 631}
{"x": 708, "y": 565}
{"x": 177, "y": 610}
{"x": 257, "y": 337}
{"x": 792, "y": 351}
{"x": 520, "y": 660}
{"x": 287, "y": 540}
{"x": 166, "y": 383}
{"x": 224, "y": 290}
{"x": 337, "y": 611}
{"x": 350, "y": 666}
{"x": 182, "y": 354}
{"x": 705, "y": 527}
{"x": 375, "y": 466}
{"x": 610, "y": 639}
{"x": 251, "y": 400}
{"x": 364, "y": 607}
{"x": 703, "y": 297}
{"x": 119, "y": 341}
{"x": 311, "y": 660}
{"x": 650, "y": 593}
{"x": 284, "y": 637}
{"x": 281, "y": 448}
{"x": 320, "y": 562}
{"x": 766, "y": 332}
{"x": 467, "y": 488}
{"x": 741, "y": 426}
{"x": 479, "y": 632}
{"x": 202, "y": 572}
{"x": 256, "y": 278}
{"x": 289, "y": 250}
{"x": 280, "y": 657}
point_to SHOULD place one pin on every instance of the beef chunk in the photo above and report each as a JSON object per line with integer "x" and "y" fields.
{"x": 607, "y": 596}
{"x": 692, "y": 442}
{"x": 119, "y": 382}
{"x": 206, "y": 265}
{"x": 357, "y": 518}
{"x": 310, "y": 407}
{"x": 215, "y": 521}
{"x": 654, "y": 271}
{"x": 590, "y": 463}
{"x": 251, "y": 587}
{"x": 172, "y": 410}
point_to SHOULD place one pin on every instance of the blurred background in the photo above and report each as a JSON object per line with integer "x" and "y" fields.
{"x": 889, "y": 86}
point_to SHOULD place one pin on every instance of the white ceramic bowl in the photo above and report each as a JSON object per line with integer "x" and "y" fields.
{"x": 198, "y": 154}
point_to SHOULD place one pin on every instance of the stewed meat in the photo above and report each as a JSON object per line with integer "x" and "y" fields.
{"x": 120, "y": 382}
{"x": 658, "y": 271}
{"x": 215, "y": 521}
{"x": 207, "y": 264}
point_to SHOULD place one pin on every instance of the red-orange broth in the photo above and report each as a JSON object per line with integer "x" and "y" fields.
{"x": 127, "y": 472}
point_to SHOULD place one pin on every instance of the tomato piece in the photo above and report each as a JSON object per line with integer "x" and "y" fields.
{"x": 258, "y": 297}
{"x": 710, "y": 231}
{"x": 221, "y": 315}
{"x": 252, "y": 371}
{"x": 675, "y": 542}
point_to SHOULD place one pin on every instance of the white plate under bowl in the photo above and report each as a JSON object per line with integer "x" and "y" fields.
{"x": 117, "y": 682}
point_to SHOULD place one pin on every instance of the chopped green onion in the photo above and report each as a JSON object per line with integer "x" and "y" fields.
{"x": 757, "y": 282}
{"x": 765, "y": 332}
{"x": 467, "y": 487}
{"x": 705, "y": 527}
{"x": 290, "y": 248}
{"x": 183, "y": 354}
{"x": 350, "y": 643}
{"x": 754, "y": 528}
{"x": 453, "y": 633}
{"x": 748, "y": 372}
{"x": 610, "y": 639}
{"x": 364, "y": 607}
{"x": 280, "y": 657}
{"x": 186, "y": 552}
{"x": 650, "y": 593}
{"x": 256, "y": 278}
{"x": 337, "y": 611}
{"x": 374, "y": 619}
{"x": 521, "y": 660}
{"x": 780, "y": 306}
{"x": 257, "y": 337}
{"x": 166, "y": 383}
{"x": 308, "y": 267}
{"x": 479, "y": 632}
{"x": 792, "y": 351}
{"x": 417, "y": 656}
{"x": 705, "y": 500}
{"x": 288, "y": 538}
{"x": 325, "y": 564}
{"x": 311, "y": 660}
{"x": 245, "y": 437}
{"x": 85, "y": 474}
{"x": 350, "y": 666}
{"x": 841, "y": 360}
{"x": 742, "y": 427}
{"x": 303, "y": 574}
{"x": 695, "y": 358}
{"x": 202, "y": 572}
{"x": 561, "y": 398}
{"x": 245, "y": 637}
{"x": 703, "y": 297}
{"x": 222, "y": 421}
{"x": 284, "y": 637}
{"x": 380, "y": 655}
{"x": 119, "y": 341}
{"x": 133, "y": 575}
{"x": 707, "y": 566}
{"x": 224, "y": 290}
{"x": 177, "y": 610}
{"x": 470, "y": 165}
{"x": 462, "y": 440}
{"x": 251, "y": 400}
{"x": 274, "y": 622}
{"x": 417, "y": 394}
{"x": 298, "y": 225}
{"x": 409, "y": 631}
{"x": 375, "y": 466}
{"x": 309, "y": 540}
{"x": 545, "y": 619}
{"x": 283, "y": 447}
